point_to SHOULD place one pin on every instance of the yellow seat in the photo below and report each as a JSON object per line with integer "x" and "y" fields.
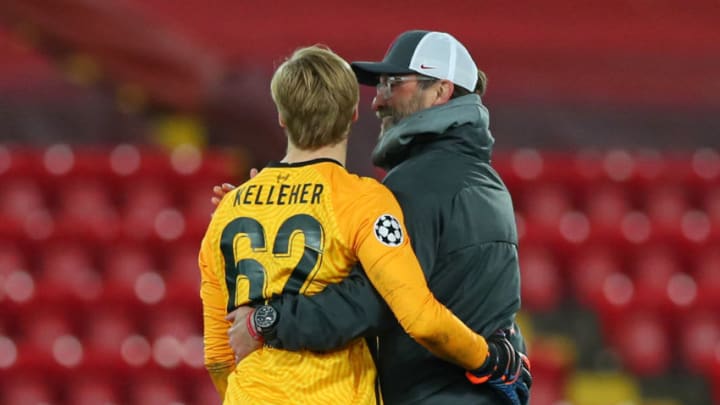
{"x": 603, "y": 388}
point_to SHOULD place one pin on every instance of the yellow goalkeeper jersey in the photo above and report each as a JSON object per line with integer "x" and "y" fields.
{"x": 294, "y": 229}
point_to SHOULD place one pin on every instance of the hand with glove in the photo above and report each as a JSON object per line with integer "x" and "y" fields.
{"x": 506, "y": 370}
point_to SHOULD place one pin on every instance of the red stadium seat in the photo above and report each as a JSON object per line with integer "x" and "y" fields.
{"x": 182, "y": 272}
{"x": 87, "y": 210}
{"x": 699, "y": 341}
{"x": 707, "y": 274}
{"x": 666, "y": 204}
{"x": 13, "y": 271}
{"x": 131, "y": 275}
{"x": 711, "y": 204}
{"x": 706, "y": 164}
{"x": 92, "y": 162}
{"x": 106, "y": 330}
{"x": 41, "y": 330}
{"x": 619, "y": 165}
{"x": 176, "y": 322}
{"x": 172, "y": 332}
{"x": 544, "y": 205}
{"x": 542, "y": 287}
{"x": 205, "y": 393}
{"x": 11, "y": 259}
{"x": 198, "y": 208}
{"x": 144, "y": 201}
{"x": 20, "y": 198}
{"x": 92, "y": 391}
{"x": 546, "y": 390}
{"x": 643, "y": 343}
{"x": 27, "y": 390}
{"x": 9, "y": 354}
{"x": 652, "y": 271}
{"x": 651, "y": 166}
{"x": 636, "y": 228}
{"x": 606, "y": 206}
{"x": 123, "y": 265}
{"x": 525, "y": 164}
{"x": 588, "y": 272}
{"x": 68, "y": 270}
{"x": 58, "y": 160}
{"x": 154, "y": 163}
{"x": 587, "y": 166}
{"x": 154, "y": 390}
{"x": 618, "y": 295}
{"x": 124, "y": 160}
{"x": 22, "y": 206}
{"x": 18, "y": 161}
{"x": 219, "y": 166}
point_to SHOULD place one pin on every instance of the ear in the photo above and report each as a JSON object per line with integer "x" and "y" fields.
{"x": 356, "y": 114}
{"x": 281, "y": 121}
{"x": 443, "y": 92}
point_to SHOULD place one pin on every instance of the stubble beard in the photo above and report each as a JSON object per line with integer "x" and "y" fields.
{"x": 389, "y": 117}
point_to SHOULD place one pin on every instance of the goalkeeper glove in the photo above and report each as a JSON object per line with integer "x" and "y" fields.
{"x": 506, "y": 370}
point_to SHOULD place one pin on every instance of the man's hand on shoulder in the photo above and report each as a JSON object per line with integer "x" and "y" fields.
{"x": 220, "y": 191}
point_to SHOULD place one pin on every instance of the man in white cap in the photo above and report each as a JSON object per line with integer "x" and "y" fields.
{"x": 436, "y": 147}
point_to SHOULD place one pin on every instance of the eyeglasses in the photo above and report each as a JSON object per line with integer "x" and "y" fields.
{"x": 385, "y": 84}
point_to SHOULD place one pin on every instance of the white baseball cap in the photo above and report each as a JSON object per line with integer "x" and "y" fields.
{"x": 429, "y": 53}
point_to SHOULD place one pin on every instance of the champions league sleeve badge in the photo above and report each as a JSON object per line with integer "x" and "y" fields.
{"x": 388, "y": 230}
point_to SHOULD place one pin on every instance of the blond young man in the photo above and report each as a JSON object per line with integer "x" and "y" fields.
{"x": 301, "y": 224}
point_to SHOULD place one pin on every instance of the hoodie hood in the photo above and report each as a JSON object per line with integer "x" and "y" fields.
{"x": 462, "y": 123}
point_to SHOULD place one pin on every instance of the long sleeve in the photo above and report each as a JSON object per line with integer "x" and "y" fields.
{"x": 331, "y": 318}
{"x": 390, "y": 263}
{"x": 400, "y": 281}
{"x": 219, "y": 358}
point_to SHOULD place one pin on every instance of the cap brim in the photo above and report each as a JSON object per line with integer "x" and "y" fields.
{"x": 368, "y": 73}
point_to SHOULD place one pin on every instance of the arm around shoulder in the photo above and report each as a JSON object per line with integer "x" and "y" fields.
{"x": 332, "y": 318}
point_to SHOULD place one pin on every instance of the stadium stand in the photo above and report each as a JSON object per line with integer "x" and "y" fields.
{"x": 127, "y": 302}
{"x": 605, "y": 117}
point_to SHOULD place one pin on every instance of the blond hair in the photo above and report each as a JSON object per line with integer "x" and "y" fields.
{"x": 316, "y": 94}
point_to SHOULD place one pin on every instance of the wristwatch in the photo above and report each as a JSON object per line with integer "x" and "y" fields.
{"x": 265, "y": 319}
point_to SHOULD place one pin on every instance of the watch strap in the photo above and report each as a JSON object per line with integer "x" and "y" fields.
{"x": 252, "y": 330}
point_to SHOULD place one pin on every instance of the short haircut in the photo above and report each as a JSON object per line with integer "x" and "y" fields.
{"x": 316, "y": 94}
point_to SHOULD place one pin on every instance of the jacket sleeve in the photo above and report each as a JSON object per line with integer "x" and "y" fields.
{"x": 332, "y": 318}
{"x": 424, "y": 235}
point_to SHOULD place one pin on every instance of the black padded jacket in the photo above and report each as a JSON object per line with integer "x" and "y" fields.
{"x": 460, "y": 220}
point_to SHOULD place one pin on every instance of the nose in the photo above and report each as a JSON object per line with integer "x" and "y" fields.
{"x": 378, "y": 102}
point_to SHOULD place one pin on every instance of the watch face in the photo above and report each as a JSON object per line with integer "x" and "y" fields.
{"x": 265, "y": 317}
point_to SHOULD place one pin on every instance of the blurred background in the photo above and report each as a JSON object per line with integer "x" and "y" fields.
{"x": 117, "y": 117}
